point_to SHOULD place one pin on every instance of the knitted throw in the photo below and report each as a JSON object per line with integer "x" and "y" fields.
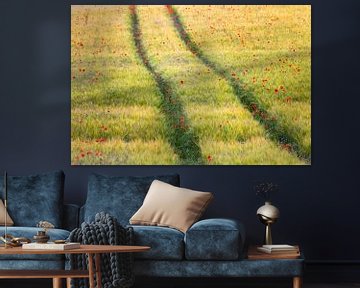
{"x": 116, "y": 268}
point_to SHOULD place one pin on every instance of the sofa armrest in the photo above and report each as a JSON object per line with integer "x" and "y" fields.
{"x": 71, "y": 216}
{"x": 215, "y": 239}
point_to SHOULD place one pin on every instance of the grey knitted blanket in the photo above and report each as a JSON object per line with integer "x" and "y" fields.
{"x": 116, "y": 268}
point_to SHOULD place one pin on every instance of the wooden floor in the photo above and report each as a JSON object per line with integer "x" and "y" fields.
{"x": 339, "y": 285}
{"x": 45, "y": 283}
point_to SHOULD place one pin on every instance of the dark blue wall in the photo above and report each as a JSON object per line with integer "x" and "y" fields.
{"x": 318, "y": 203}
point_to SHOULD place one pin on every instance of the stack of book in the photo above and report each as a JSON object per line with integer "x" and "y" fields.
{"x": 278, "y": 249}
{"x": 274, "y": 252}
{"x": 51, "y": 246}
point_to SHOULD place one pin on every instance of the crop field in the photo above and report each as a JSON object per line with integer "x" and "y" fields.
{"x": 187, "y": 85}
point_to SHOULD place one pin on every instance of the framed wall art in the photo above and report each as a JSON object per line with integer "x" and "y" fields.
{"x": 191, "y": 85}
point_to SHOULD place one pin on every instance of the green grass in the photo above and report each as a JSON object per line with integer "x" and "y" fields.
{"x": 115, "y": 112}
{"x": 154, "y": 152}
{"x": 266, "y": 50}
{"x": 211, "y": 106}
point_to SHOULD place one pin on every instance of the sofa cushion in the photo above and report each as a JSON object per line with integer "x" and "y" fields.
{"x": 165, "y": 243}
{"x": 170, "y": 206}
{"x": 29, "y": 232}
{"x": 35, "y": 198}
{"x": 9, "y": 221}
{"x": 121, "y": 197}
{"x": 214, "y": 239}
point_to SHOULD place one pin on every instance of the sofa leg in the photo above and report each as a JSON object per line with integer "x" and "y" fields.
{"x": 57, "y": 283}
{"x": 297, "y": 282}
{"x": 68, "y": 282}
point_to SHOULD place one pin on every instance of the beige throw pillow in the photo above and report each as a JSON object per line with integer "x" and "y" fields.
{"x": 9, "y": 221}
{"x": 170, "y": 206}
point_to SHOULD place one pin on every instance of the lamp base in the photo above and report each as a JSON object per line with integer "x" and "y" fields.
{"x": 268, "y": 237}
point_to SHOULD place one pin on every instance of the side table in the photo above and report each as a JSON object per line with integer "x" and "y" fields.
{"x": 93, "y": 251}
{"x": 292, "y": 259}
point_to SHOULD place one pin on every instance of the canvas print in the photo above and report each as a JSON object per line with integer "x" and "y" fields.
{"x": 191, "y": 85}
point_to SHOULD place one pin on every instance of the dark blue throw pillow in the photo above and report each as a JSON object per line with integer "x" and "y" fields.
{"x": 121, "y": 197}
{"x": 35, "y": 198}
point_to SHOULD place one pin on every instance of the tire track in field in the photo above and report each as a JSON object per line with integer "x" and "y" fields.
{"x": 181, "y": 136}
{"x": 275, "y": 131}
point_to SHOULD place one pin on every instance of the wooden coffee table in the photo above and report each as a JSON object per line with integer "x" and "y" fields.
{"x": 57, "y": 275}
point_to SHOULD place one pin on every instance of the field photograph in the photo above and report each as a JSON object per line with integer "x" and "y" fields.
{"x": 191, "y": 85}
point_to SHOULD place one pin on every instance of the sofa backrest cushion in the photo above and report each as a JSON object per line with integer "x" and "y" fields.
{"x": 35, "y": 198}
{"x": 119, "y": 196}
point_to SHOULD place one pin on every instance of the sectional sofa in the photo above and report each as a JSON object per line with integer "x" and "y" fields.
{"x": 210, "y": 248}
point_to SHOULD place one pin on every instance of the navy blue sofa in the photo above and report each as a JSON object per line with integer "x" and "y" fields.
{"x": 210, "y": 248}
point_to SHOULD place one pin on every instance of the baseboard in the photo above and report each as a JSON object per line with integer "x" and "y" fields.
{"x": 332, "y": 271}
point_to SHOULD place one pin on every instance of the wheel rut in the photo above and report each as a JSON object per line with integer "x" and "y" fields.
{"x": 181, "y": 136}
{"x": 273, "y": 128}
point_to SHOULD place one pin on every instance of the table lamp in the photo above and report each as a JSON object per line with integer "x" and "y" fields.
{"x": 268, "y": 214}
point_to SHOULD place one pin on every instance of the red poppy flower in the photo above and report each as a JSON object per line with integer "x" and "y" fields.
{"x": 286, "y": 147}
